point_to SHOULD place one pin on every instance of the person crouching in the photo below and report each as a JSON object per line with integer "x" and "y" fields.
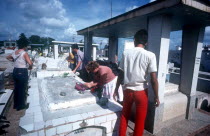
{"x": 104, "y": 79}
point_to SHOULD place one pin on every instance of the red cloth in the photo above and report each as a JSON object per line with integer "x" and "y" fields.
{"x": 80, "y": 87}
{"x": 104, "y": 75}
{"x": 141, "y": 100}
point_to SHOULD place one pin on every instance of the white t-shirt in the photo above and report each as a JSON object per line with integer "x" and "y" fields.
{"x": 20, "y": 61}
{"x": 137, "y": 63}
{"x": 80, "y": 58}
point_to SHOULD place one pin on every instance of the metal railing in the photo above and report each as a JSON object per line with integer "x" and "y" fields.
{"x": 201, "y": 75}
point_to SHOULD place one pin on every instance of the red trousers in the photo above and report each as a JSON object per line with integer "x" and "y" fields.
{"x": 141, "y": 100}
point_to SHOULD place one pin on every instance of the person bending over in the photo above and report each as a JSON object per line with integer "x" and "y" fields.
{"x": 105, "y": 79}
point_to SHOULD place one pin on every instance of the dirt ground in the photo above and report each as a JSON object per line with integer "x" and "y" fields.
{"x": 202, "y": 132}
{"x": 14, "y": 117}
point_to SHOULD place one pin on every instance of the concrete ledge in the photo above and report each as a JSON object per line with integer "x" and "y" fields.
{"x": 5, "y": 99}
{"x": 44, "y": 73}
{"x": 170, "y": 89}
{"x": 175, "y": 105}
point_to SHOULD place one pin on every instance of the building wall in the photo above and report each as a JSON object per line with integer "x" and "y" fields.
{"x": 10, "y": 44}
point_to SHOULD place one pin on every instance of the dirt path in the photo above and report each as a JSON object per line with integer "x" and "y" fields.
{"x": 14, "y": 117}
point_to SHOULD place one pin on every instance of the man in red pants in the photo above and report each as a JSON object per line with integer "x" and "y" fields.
{"x": 136, "y": 65}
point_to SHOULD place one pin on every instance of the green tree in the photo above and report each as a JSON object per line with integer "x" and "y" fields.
{"x": 35, "y": 39}
{"x": 22, "y": 40}
{"x": 43, "y": 40}
{"x": 47, "y": 41}
{"x": 50, "y": 40}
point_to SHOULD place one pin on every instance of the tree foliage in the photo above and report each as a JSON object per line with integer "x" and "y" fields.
{"x": 47, "y": 41}
{"x": 35, "y": 39}
{"x": 23, "y": 41}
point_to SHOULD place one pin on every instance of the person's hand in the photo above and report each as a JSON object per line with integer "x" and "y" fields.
{"x": 74, "y": 71}
{"x": 30, "y": 67}
{"x": 88, "y": 85}
{"x": 157, "y": 102}
{"x": 70, "y": 60}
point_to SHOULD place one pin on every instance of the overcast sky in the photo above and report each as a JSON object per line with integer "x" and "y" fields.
{"x": 59, "y": 19}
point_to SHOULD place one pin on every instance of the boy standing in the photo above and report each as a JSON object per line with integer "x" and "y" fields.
{"x": 137, "y": 64}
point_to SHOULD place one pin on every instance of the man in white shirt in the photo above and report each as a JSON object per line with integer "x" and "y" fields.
{"x": 136, "y": 65}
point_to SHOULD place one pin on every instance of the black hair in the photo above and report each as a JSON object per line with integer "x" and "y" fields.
{"x": 75, "y": 46}
{"x": 141, "y": 37}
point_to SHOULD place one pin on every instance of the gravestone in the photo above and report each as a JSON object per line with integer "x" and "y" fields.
{"x": 59, "y": 93}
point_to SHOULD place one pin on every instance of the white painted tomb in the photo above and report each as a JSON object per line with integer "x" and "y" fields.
{"x": 51, "y": 113}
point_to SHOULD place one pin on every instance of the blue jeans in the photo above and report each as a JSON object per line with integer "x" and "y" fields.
{"x": 20, "y": 76}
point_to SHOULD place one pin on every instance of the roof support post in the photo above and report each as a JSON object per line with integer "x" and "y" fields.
{"x": 112, "y": 48}
{"x": 55, "y": 51}
{"x": 61, "y": 48}
{"x": 94, "y": 53}
{"x": 159, "y": 28}
{"x": 88, "y": 39}
{"x": 70, "y": 50}
{"x": 48, "y": 49}
{"x": 192, "y": 43}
